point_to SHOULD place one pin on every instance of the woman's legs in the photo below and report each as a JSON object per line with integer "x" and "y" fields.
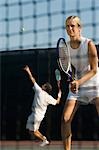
{"x": 68, "y": 113}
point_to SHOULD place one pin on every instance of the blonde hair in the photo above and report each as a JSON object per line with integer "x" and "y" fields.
{"x": 76, "y": 18}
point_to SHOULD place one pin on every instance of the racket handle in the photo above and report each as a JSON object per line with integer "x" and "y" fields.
{"x": 71, "y": 76}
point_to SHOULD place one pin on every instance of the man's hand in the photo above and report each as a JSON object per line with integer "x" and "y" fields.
{"x": 26, "y": 68}
{"x": 59, "y": 94}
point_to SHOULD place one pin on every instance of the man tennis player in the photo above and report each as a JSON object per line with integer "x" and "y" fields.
{"x": 42, "y": 99}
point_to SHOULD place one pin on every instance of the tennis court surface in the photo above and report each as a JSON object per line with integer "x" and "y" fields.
{"x": 54, "y": 145}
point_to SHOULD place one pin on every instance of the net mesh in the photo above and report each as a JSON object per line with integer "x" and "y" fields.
{"x": 34, "y": 23}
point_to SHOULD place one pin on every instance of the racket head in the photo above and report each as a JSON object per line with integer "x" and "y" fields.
{"x": 63, "y": 55}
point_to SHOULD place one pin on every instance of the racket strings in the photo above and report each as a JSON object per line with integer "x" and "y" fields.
{"x": 64, "y": 57}
{"x": 64, "y": 60}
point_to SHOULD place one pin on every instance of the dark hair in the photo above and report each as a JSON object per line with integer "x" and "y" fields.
{"x": 47, "y": 87}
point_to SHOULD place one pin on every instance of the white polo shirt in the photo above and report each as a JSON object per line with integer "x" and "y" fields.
{"x": 41, "y": 100}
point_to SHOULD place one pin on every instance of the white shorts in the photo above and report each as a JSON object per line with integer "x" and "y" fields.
{"x": 32, "y": 123}
{"x": 85, "y": 96}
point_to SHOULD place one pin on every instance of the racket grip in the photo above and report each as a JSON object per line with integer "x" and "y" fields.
{"x": 71, "y": 76}
{"x": 69, "y": 79}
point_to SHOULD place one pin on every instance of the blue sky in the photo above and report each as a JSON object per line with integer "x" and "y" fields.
{"x": 43, "y": 22}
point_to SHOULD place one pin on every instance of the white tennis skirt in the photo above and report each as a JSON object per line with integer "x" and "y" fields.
{"x": 87, "y": 92}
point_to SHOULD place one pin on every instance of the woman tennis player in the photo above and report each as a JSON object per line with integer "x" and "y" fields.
{"x": 85, "y": 88}
{"x": 42, "y": 99}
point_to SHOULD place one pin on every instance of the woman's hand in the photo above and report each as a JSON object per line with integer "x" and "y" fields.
{"x": 74, "y": 86}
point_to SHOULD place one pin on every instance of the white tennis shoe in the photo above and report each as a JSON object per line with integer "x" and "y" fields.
{"x": 45, "y": 142}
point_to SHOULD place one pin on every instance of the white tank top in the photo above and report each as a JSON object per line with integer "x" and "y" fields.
{"x": 79, "y": 58}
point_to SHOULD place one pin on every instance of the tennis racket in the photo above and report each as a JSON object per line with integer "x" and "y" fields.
{"x": 58, "y": 77}
{"x": 63, "y": 57}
